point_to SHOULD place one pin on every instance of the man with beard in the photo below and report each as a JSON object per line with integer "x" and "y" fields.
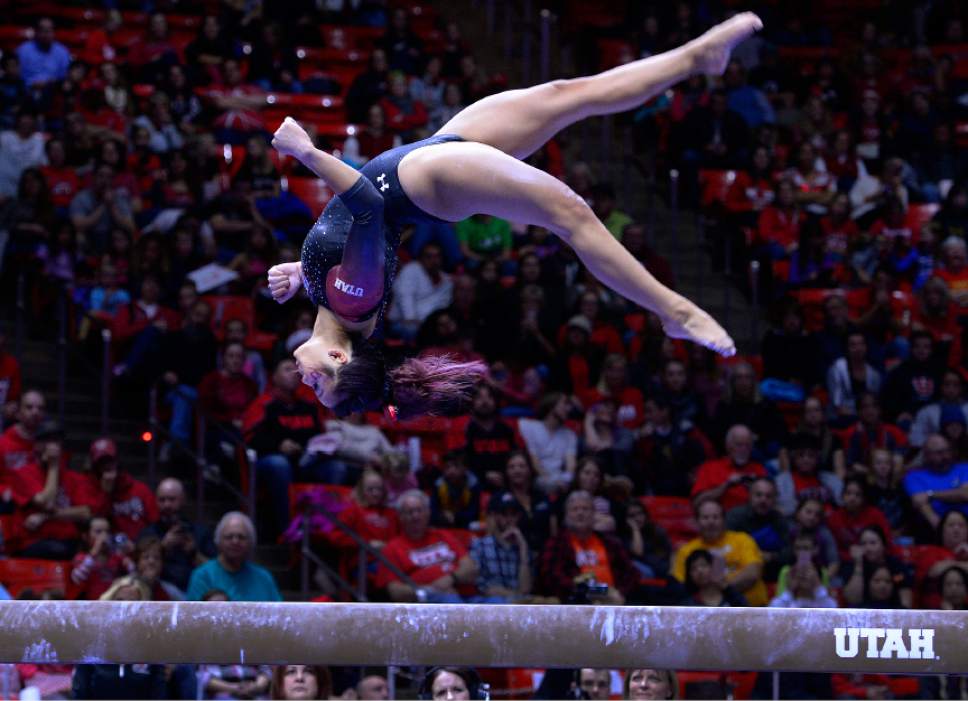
{"x": 489, "y": 439}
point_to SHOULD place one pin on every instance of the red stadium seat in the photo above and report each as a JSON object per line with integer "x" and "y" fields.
{"x": 39, "y": 575}
{"x": 674, "y": 514}
{"x": 312, "y": 191}
{"x": 714, "y": 184}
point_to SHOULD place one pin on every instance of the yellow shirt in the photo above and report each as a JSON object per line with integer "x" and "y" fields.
{"x": 738, "y": 550}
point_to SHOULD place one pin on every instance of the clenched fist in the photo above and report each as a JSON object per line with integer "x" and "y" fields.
{"x": 285, "y": 280}
{"x": 291, "y": 139}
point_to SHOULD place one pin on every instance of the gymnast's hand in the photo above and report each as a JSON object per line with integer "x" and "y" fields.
{"x": 285, "y": 280}
{"x": 291, "y": 139}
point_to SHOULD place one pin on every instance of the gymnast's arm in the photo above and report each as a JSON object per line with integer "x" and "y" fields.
{"x": 291, "y": 139}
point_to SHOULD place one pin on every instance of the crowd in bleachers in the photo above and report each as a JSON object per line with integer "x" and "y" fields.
{"x": 600, "y": 461}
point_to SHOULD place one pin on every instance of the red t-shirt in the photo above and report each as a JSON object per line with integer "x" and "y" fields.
{"x": 130, "y": 508}
{"x": 957, "y": 282}
{"x": 370, "y": 522}
{"x": 425, "y": 560}
{"x": 91, "y": 577}
{"x": 928, "y": 591}
{"x": 779, "y": 226}
{"x": 63, "y": 184}
{"x": 716, "y": 472}
{"x": 846, "y": 527}
{"x": 30, "y": 480}
{"x": 15, "y": 452}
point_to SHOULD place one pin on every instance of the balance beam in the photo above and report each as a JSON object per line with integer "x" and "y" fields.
{"x": 485, "y": 635}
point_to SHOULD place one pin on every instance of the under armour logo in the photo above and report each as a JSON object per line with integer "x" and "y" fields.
{"x": 384, "y": 185}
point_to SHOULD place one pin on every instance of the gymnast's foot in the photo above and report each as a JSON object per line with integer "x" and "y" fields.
{"x": 714, "y": 47}
{"x": 693, "y": 324}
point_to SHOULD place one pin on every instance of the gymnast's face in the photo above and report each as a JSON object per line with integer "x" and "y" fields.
{"x": 318, "y": 363}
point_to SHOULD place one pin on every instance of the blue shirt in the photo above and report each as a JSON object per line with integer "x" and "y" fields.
{"x": 918, "y": 481}
{"x": 43, "y": 66}
{"x": 251, "y": 583}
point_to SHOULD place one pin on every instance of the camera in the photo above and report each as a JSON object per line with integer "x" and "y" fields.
{"x": 588, "y": 591}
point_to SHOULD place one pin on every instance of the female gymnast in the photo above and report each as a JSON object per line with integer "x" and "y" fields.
{"x": 469, "y": 167}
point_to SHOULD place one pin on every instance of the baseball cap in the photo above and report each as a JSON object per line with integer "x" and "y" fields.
{"x": 103, "y": 448}
{"x": 580, "y": 322}
{"x": 502, "y": 501}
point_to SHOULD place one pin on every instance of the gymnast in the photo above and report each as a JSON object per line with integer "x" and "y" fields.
{"x": 471, "y": 166}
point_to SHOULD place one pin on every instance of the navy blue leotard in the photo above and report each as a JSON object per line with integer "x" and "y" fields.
{"x": 360, "y": 229}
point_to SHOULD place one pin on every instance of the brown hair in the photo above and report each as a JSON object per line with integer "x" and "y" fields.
{"x": 324, "y": 681}
{"x": 670, "y": 676}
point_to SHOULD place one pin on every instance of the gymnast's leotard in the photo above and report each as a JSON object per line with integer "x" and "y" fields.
{"x": 355, "y": 239}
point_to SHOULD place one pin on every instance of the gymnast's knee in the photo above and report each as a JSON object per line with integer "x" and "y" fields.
{"x": 570, "y": 215}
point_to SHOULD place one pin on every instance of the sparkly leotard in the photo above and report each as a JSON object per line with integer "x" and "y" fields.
{"x": 374, "y": 212}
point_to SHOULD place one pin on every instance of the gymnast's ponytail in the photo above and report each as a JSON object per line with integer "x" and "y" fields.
{"x": 435, "y": 385}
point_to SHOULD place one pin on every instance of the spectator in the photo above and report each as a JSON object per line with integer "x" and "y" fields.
{"x": 127, "y": 681}
{"x": 954, "y": 590}
{"x": 671, "y": 450}
{"x": 950, "y": 550}
{"x": 747, "y": 101}
{"x": 43, "y": 59}
{"x": 726, "y": 480}
{"x": 372, "y": 140}
{"x": 193, "y": 357}
{"x": 404, "y": 115}
{"x": 185, "y": 545}
{"x": 152, "y": 54}
{"x": 372, "y": 686}
{"x": 651, "y": 684}
{"x": 603, "y": 204}
{"x": 94, "y": 571}
{"x": 10, "y": 381}
{"x": 502, "y": 557}
{"x": 401, "y": 44}
{"x": 869, "y": 433}
{"x": 99, "y": 209}
{"x": 706, "y": 582}
{"x": 225, "y": 394}
{"x": 913, "y": 383}
{"x": 577, "y": 559}
{"x": 714, "y": 136}
{"x": 369, "y": 516}
{"x": 239, "y": 104}
{"x": 126, "y": 501}
{"x": 848, "y": 521}
{"x": 954, "y": 272}
{"x": 421, "y": 287}
{"x": 674, "y": 384}
{"x": 646, "y": 541}
{"x": 804, "y": 590}
{"x": 434, "y": 559}
{"x": 164, "y": 135}
{"x": 850, "y": 376}
{"x": 553, "y": 447}
{"x": 453, "y": 103}
{"x": 867, "y": 557}
{"x": 237, "y": 331}
{"x": 233, "y": 571}
{"x": 17, "y": 441}
{"x": 610, "y": 443}
{"x": 765, "y": 524}
{"x": 456, "y": 495}
{"x": 809, "y": 521}
{"x": 20, "y": 148}
{"x": 881, "y": 590}
{"x": 595, "y": 683}
{"x": 484, "y": 237}
{"x": 815, "y": 187}
{"x": 779, "y": 223}
{"x": 49, "y": 498}
{"x": 273, "y": 63}
{"x": 149, "y": 561}
{"x": 206, "y": 54}
{"x": 938, "y": 486}
{"x": 297, "y": 681}
{"x": 744, "y": 405}
{"x": 742, "y": 557}
{"x": 804, "y": 479}
{"x": 519, "y": 478}
{"x": 489, "y": 439}
{"x": 789, "y": 352}
{"x": 927, "y": 421}
{"x": 279, "y": 430}
{"x": 367, "y": 88}
{"x": 614, "y": 384}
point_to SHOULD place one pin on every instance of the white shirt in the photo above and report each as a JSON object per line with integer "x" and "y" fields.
{"x": 549, "y": 449}
{"x": 16, "y": 155}
{"x": 416, "y": 296}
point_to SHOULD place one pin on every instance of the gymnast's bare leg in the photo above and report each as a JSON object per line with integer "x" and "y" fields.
{"x": 456, "y": 180}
